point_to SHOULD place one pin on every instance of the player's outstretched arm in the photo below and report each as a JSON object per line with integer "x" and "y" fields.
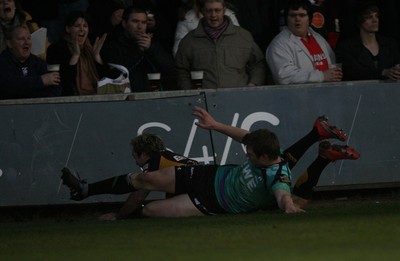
{"x": 285, "y": 202}
{"x": 209, "y": 123}
{"x": 134, "y": 201}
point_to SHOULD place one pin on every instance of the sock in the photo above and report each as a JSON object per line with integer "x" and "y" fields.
{"x": 115, "y": 185}
{"x": 304, "y": 186}
{"x": 297, "y": 150}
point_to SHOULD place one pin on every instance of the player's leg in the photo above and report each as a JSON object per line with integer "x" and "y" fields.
{"x": 177, "y": 206}
{"x": 321, "y": 130}
{"x": 304, "y": 187}
{"x": 114, "y": 185}
{"x": 80, "y": 189}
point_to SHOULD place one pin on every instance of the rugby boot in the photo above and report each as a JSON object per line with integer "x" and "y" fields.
{"x": 334, "y": 152}
{"x": 327, "y": 131}
{"x": 77, "y": 186}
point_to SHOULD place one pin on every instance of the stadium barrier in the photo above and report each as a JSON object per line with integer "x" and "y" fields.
{"x": 91, "y": 134}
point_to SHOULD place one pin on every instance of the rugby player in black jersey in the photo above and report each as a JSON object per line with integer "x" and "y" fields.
{"x": 149, "y": 153}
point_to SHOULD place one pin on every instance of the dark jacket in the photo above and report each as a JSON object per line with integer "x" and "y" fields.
{"x": 23, "y": 80}
{"x": 358, "y": 62}
{"x": 125, "y": 51}
{"x": 59, "y": 53}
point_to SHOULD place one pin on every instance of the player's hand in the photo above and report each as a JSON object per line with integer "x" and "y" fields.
{"x": 293, "y": 209}
{"x": 285, "y": 202}
{"x": 206, "y": 120}
{"x": 108, "y": 217}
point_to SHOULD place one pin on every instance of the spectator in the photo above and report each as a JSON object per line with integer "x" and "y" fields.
{"x": 106, "y": 17}
{"x": 227, "y": 54}
{"x": 261, "y": 18}
{"x": 139, "y": 52}
{"x": 298, "y": 54}
{"x": 390, "y": 22}
{"x": 23, "y": 75}
{"x": 319, "y": 17}
{"x": 51, "y": 14}
{"x": 327, "y": 19}
{"x": 190, "y": 21}
{"x": 369, "y": 55}
{"x": 11, "y": 15}
{"x": 80, "y": 63}
{"x": 161, "y": 20}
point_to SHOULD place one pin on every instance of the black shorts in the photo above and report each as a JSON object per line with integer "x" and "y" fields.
{"x": 198, "y": 182}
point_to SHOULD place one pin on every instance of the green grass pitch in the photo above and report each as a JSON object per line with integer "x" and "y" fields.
{"x": 362, "y": 230}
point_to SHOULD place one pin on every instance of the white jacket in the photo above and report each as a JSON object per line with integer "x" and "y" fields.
{"x": 191, "y": 22}
{"x": 291, "y": 62}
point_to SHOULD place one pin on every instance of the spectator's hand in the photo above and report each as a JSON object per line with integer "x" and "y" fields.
{"x": 50, "y": 79}
{"x": 392, "y": 73}
{"x": 144, "y": 41}
{"x": 206, "y": 120}
{"x": 98, "y": 44}
{"x": 108, "y": 217}
{"x": 333, "y": 75}
{"x": 76, "y": 49}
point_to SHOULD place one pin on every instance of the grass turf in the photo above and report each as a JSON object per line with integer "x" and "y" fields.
{"x": 362, "y": 230}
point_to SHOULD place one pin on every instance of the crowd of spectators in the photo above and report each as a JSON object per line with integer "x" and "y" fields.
{"x": 234, "y": 43}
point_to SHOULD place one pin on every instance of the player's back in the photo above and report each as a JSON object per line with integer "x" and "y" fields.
{"x": 167, "y": 158}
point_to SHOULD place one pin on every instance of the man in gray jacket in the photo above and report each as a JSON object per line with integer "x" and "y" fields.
{"x": 227, "y": 54}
